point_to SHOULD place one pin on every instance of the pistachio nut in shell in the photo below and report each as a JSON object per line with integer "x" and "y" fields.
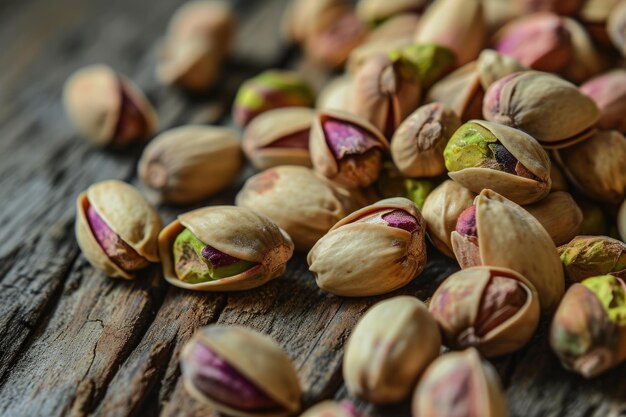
{"x": 548, "y": 108}
{"x": 304, "y": 16}
{"x": 492, "y": 66}
{"x": 398, "y": 26}
{"x": 587, "y": 60}
{"x": 431, "y": 61}
{"x": 389, "y": 348}
{"x": 495, "y": 310}
{"x": 333, "y": 409}
{"x": 116, "y": 228}
{"x": 588, "y": 332}
{"x": 559, "y": 214}
{"x": 621, "y": 221}
{"x": 392, "y": 183}
{"x": 240, "y": 372}
{"x": 608, "y": 91}
{"x": 482, "y": 154}
{"x": 346, "y": 148}
{"x": 498, "y": 232}
{"x": 596, "y": 166}
{"x": 589, "y": 256}
{"x": 616, "y": 26}
{"x": 459, "y": 384}
{"x": 189, "y": 163}
{"x": 372, "y": 251}
{"x": 364, "y": 52}
{"x": 442, "y": 208}
{"x": 107, "y": 108}
{"x": 461, "y": 91}
{"x": 376, "y": 11}
{"x": 418, "y": 143}
{"x": 279, "y": 137}
{"x": 304, "y": 204}
{"x": 223, "y": 248}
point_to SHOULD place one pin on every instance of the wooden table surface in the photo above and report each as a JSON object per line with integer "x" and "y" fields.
{"x": 75, "y": 343}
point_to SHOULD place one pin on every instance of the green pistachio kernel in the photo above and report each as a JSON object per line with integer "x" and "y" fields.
{"x": 418, "y": 190}
{"x": 430, "y": 61}
{"x": 611, "y": 293}
{"x": 469, "y": 147}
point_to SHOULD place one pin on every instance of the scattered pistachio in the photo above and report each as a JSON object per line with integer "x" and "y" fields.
{"x": 608, "y": 91}
{"x": 588, "y": 256}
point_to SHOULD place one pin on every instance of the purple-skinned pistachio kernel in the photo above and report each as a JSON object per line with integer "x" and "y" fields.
{"x": 466, "y": 223}
{"x": 131, "y": 123}
{"x": 401, "y": 220}
{"x": 217, "y": 258}
{"x": 296, "y": 140}
{"x": 347, "y": 139}
{"x": 505, "y": 158}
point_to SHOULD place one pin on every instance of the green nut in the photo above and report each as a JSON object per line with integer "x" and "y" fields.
{"x": 431, "y": 61}
{"x": 612, "y": 294}
{"x": 470, "y": 146}
{"x": 587, "y": 256}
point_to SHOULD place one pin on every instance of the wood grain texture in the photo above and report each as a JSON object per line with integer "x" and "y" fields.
{"x": 75, "y": 343}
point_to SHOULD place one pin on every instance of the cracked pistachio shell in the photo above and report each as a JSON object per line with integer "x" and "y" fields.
{"x": 548, "y": 108}
{"x": 279, "y": 137}
{"x": 126, "y": 213}
{"x": 492, "y": 66}
{"x": 586, "y": 60}
{"x": 357, "y": 258}
{"x": 107, "y": 108}
{"x": 596, "y": 166}
{"x": 616, "y": 26}
{"x": 389, "y": 348}
{"x": 608, "y": 91}
{"x": 588, "y": 256}
{"x": 333, "y": 409}
{"x": 588, "y": 332}
{"x": 464, "y": 163}
{"x": 304, "y": 204}
{"x": 528, "y": 248}
{"x": 250, "y": 355}
{"x": 559, "y": 214}
{"x": 336, "y": 94}
{"x": 235, "y": 231}
{"x": 379, "y": 10}
{"x": 459, "y": 384}
{"x": 495, "y": 310}
{"x": 461, "y": 91}
{"x": 353, "y": 170}
{"x": 189, "y": 163}
{"x": 418, "y": 143}
{"x": 442, "y": 208}
{"x": 621, "y": 221}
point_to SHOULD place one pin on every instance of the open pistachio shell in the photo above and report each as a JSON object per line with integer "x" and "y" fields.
{"x": 461, "y": 91}
{"x": 333, "y": 409}
{"x": 588, "y": 256}
{"x": 304, "y": 204}
{"x": 469, "y": 159}
{"x": 367, "y": 254}
{"x": 621, "y": 221}
{"x": 559, "y": 214}
{"x": 508, "y": 236}
{"x": 189, "y": 163}
{"x": 279, "y": 137}
{"x": 131, "y": 226}
{"x": 237, "y": 232}
{"x": 389, "y": 348}
{"x": 459, "y": 384}
{"x": 492, "y": 66}
{"x": 230, "y": 358}
{"x": 495, "y": 310}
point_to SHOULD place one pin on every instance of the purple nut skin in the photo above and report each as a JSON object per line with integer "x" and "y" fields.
{"x": 466, "y": 223}
{"x": 347, "y": 139}
{"x": 401, "y": 220}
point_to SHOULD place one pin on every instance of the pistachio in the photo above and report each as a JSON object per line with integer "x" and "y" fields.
{"x": 332, "y": 409}
{"x": 559, "y": 214}
{"x": 418, "y": 143}
{"x": 461, "y": 91}
{"x": 431, "y": 61}
{"x": 375, "y": 11}
{"x": 392, "y": 183}
{"x": 189, "y": 163}
{"x": 459, "y": 384}
{"x": 223, "y": 248}
{"x": 398, "y": 26}
{"x": 594, "y": 15}
{"x": 269, "y": 90}
{"x": 240, "y": 372}
{"x": 304, "y": 16}
{"x": 346, "y": 148}
{"x": 616, "y": 26}
{"x": 608, "y": 91}
{"x": 205, "y": 19}
{"x": 546, "y": 107}
{"x": 442, "y": 208}
{"x": 389, "y": 348}
{"x": 336, "y": 94}
{"x": 107, "y": 108}
{"x": 364, "y": 52}
{"x": 281, "y": 193}
{"x": 621, "y": 221}
{"x": 116, "y": 228}
{"x": 279, "y": 137}
{"x": 483, "y": 155}
{"x": 494, "y": 223}
{"x": 588, "y": 331}
{"x": 455, "y": 24}
{"x": 372, "y": 251}
{"x": 586, "y": 60}
{"x": 596, "y": 166}
{"x": 492, "y": 66}
{"x": 495, "y": 310}
{"x": 588, "y": 256}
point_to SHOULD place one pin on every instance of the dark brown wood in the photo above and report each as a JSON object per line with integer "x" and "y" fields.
{"x": 73, "y": 342}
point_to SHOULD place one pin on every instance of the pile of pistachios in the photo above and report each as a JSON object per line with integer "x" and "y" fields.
{"x": 493, "y": 129}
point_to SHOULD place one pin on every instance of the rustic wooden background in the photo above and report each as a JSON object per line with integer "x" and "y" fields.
{"x": 75, "y": 343}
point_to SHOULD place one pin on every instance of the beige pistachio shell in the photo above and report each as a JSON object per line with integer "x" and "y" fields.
{"x": 559, "y": 214}
{"x": 450, "y": 379}
{"x": 376, "y": 10}
{"x": 357, "y": 259}
{"x": 189, "y": 163}
{"x": 457, "y": 302}
{"x": 272, "y": 126}
{"x": 621, "y": 221}
{"x": 192, "y": 64}
{"x": 519, "y": 189}
{"x": 461, "y": 91}
{"x": 510, "y": 237}
{"x": 127, "y": 213}
{"x": 364, "y": 52}
{"x": 391, "y": 345}
{"x": 258, "y": 358}
{"x": 303, "y": 17}
{"x": 336, "y": 94}
{"x": 418, "y": 143}
{"x": 616, "y": 26}
{"x": 238, "y": 232}
{"x": 301, "y": 202}
{"x": 596, "y": 166}
{"x": 492, "y": 66}
{"x": 206, "y": 19}
{"x": 442, "y": 208}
